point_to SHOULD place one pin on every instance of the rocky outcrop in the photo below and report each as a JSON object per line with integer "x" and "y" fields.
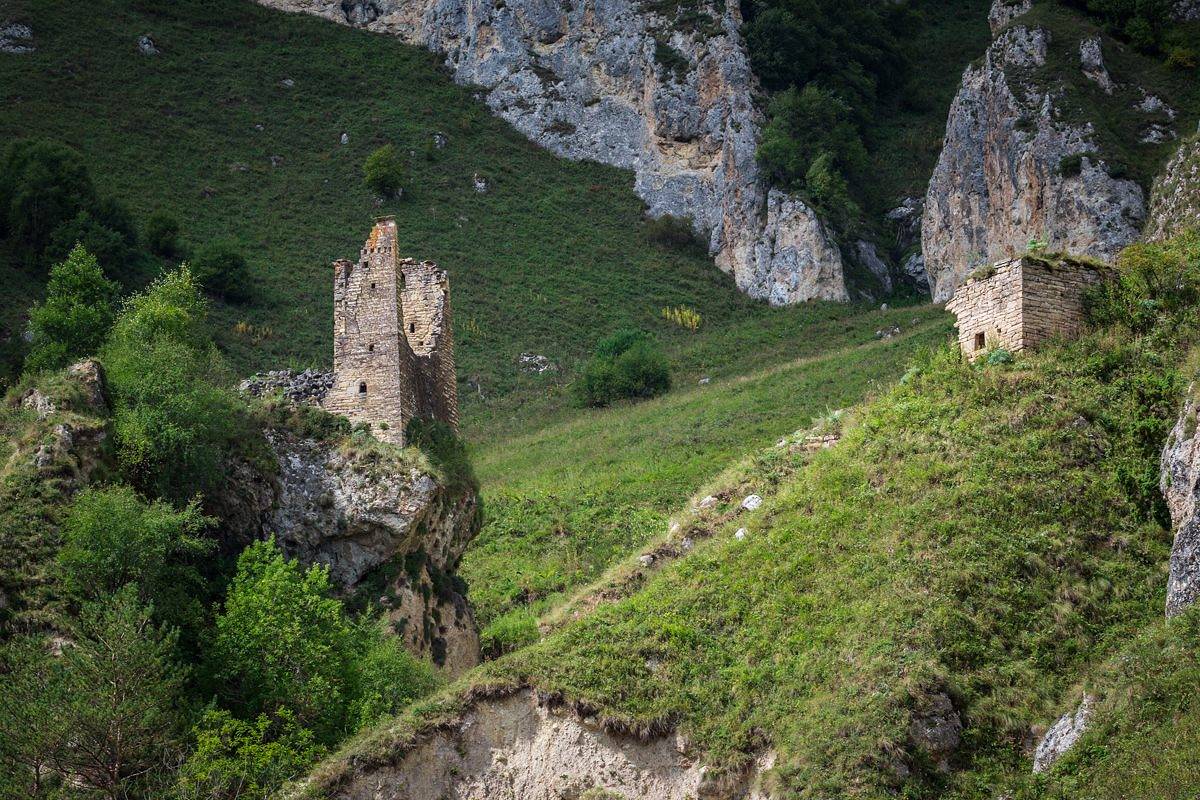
{"x": 1003, "y": 12}
{"x": 517, "y": 748}
{"x": 1014, "y": 168}
{"x": 1180, "y": 483}
{"x": 1063, "y": 735}
{"x": 1175, "y": 198}
{"x": 387, "y": 529}
{"x": 616, "y": 81}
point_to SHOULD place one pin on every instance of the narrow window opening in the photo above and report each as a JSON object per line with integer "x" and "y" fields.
{"x": 370, "y": 348}
{"x": 979, "y": 341}
{"x": 412, "y": 327}
{"x": 362, "y": 387}
{"x": 372, "y": 284}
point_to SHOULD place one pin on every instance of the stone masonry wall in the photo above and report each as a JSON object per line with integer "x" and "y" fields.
{"x": 368, "y": 362}
{"x": 1020, "y": 304}
{"x": 393, "y": 353}
{"x": 992, "y": 307}
{"x": 425, "y": 309}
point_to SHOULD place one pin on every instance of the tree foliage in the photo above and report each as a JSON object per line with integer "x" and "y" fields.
{"x": 245, "y": 760}
{"x": 103, "y": 717}
{"x": 172, "y": 419}
{"x": 220, "y": 268}
{"x": 76, "y": 315}
{"x": 383, "y": 172}
{"x": 113, "y": 538}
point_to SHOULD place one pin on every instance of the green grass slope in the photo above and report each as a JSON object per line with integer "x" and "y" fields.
{"x": 565, "y": 501}
{"x": 553, "y": 257}
{"x": 989, "y": 533}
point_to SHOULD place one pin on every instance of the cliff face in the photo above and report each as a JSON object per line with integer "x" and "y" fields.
{"x": 387, "y": 529}
{"x": 1013, "y": 167}
{"x": 617, "y": 82}
{"x": 1175, "y": 198}
{"x": 516, "y": 747}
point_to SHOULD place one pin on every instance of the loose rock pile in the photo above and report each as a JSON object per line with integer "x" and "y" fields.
{"x": 309, "y": 386}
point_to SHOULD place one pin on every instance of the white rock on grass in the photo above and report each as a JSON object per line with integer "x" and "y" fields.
{"x": 708, "y": 502}
{"x": 1063, "y": 735}
{"x": 740, "y": 534}
{"x": 752, "y": 502}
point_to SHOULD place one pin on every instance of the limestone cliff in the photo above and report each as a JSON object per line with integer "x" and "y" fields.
{"x": 637, "y": 85}
{"x": 1175, "y": 198}
{"x": 389, "y": 530}
{"x": 1015, "y": 166}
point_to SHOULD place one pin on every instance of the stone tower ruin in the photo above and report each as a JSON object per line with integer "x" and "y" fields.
{"x": 393, "y": 352}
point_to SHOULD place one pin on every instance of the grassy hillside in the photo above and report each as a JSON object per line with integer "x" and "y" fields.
{"x": 554, "y": 256}
{"x": 565, "y": 501}
{"x": 992, "y": 534}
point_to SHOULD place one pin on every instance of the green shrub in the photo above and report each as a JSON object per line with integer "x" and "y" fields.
{"x": 627, "y": 364}
{"x": 42, "y": 185}
{"x": 162, "y": 234}
{"x": 171, "y": 418}
{"x": 386, "y": 677}
{"x": 238, "y": 760}
{"x": 112, "y": 538}
{"x": 829, "y": 190}
{"x": 1152, "y": 281}
{"x": 76, "y": 315}
{"x": 510, "y": 632}
{"x": 383, "y": 172}
{"x": 283, "y": 642}
{"x": 112, "y": 250}
{"x": 221, "y": 270}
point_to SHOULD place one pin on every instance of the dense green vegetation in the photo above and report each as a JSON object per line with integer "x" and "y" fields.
{"x": 626, "y": 365}
{"x": 132, "y": 650}
{"x": 991, "y": 533}
{"x": 859, "y": 96}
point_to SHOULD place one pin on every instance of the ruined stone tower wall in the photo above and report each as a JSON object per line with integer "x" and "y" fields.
{"x": 393, "y": 356}
{"x": 1021, "y": 303}
{"x": 425, "y": 309}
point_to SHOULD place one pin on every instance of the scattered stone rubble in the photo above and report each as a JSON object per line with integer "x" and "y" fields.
{"x": 309, "y": 386}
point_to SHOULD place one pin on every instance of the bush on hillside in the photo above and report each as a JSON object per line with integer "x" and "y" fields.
{"x": 1152, "y": 282}
{"x": 236, "y": 759}
{"x": 444, "y": 449}
{"x": 162, "y": 234}
{"x": 671, "y": 231}
{"x": 283, "y": 643}
{"x": 76, "y": 315}
{"x": 383, "y": 172}
{"x": 220, "y": 269}
{"x": 1142, "y": 22}
{"x": 109, "y": 247}
{"x": 171, "y": 418}
{"x": 42, "y": 185}
{"x": 627, "y": 364}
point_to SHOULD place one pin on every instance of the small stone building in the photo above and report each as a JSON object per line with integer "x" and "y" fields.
{"x": 393, "y": 352}
{"x": 1021, "y": 303}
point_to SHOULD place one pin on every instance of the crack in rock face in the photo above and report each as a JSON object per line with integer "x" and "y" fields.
{"x": 1001, "y": 181}
{"x": 515, "y": 748}
{"x": 583, "y": 79}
